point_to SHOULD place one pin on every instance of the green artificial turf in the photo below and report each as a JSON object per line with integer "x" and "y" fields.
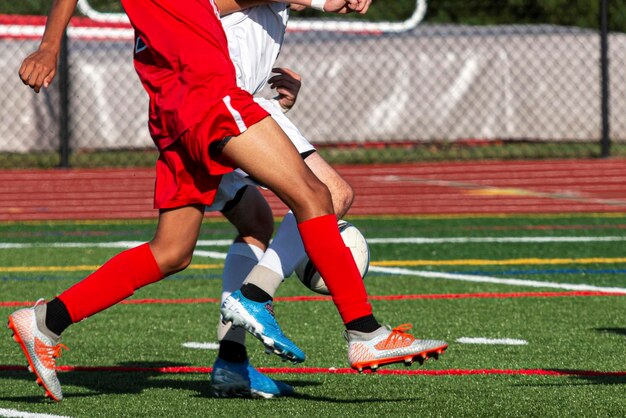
{"x": 579, "y": 339}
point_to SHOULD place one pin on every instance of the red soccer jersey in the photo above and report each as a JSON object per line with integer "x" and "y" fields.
{"x": 181, "y": 56}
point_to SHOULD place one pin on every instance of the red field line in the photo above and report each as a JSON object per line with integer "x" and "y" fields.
{"x": 474, "y": 187}
{"x": 322, "y": 370}
{"x": 508, "y": 295}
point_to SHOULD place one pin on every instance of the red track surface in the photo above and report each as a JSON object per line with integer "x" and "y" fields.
{"x": 486, "y": 187}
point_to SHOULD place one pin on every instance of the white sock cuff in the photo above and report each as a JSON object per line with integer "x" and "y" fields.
{"x": 246, "y": 250}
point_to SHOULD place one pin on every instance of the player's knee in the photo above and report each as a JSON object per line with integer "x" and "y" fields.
{"x": 172, "y": 259}
{"x": 343, "y": 199}
{"x": 315, "y": 194}
{"x": 260, "y": 231}
{"x": 253, "y": 218}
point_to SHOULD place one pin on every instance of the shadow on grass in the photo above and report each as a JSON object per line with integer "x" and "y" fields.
{"x": 124, "y": 383}
{"x": 617, "y": 331}
{"x": 586, "y": 377}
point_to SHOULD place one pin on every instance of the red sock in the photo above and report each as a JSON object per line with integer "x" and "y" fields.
{"x": 116, "y": 280}
{"x": 326, "y": 249}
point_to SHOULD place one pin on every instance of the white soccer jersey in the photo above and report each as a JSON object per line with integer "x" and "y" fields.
{"x": 255, "y": 37}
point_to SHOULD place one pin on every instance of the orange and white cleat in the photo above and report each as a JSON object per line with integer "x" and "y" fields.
{"x": 40, "y": 350}
{"x": 388, "y": 346}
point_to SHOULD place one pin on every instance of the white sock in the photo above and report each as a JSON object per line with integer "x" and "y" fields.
{"x": 240, "y": 260}
{"x": 286, "y": 250}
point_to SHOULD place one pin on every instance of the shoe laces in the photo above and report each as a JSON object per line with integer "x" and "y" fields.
{"x": 48, "y": 353}
{"x": 58, "y": 349}
{"x": 399, "y": 337}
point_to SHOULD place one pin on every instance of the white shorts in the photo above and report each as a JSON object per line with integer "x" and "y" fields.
{"x": 233, "y": 182}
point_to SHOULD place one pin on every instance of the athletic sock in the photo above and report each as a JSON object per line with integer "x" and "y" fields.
{"x": 286, "y": 250}
{"x": 326, "y": 249}
{"x": 364, "y": 324}
{"x": 241, "y": 258}
{"x": 255, "y": 293}
{"x": 116, "y": 280}
{"x": 232, "y": 352}
{"x": 265, "y": 279}
{"x": 57, "y": 316}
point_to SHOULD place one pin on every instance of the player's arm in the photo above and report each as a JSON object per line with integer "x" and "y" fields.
{"x": 230, "y": 6}
{"x": 331, "y": 6}
{"x": 287, "y": 84}
{"x": 39, "y": 68}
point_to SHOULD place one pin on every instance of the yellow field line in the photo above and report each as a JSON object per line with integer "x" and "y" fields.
{"x": 509, "y": 262}
{"x": 390, "y": 263}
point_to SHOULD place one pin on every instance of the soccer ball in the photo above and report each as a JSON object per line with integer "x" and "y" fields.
{"x": 311, "y": 278}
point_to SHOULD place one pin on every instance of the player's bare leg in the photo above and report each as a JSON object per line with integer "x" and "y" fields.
{"x": 286, "y": 250}
{"x": 38, "y": 329}
{"x": 266, "y": 154}
{"x": 340, "y": 190}
{"x": 176, "y": 237}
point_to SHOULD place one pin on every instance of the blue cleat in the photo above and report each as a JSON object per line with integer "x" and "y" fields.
{"x": 258, "y": 319}
{"x": 242, "y": 380}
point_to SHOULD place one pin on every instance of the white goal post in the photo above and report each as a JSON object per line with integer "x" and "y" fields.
{"x": 296, "y": 24}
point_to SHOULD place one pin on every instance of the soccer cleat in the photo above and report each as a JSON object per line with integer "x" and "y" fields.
{"x": 258, "y": 319}
{"x": 242, "y": 380}
{"x": 40, "y": 350}
{"x": 385, "y": 346}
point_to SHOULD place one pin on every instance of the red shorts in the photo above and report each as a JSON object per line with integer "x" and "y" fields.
{"x": 186, "y": 173}
{"x": 181, "y": 57}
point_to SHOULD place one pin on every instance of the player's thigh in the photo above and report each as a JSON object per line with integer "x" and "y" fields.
{"x": 340, "y": 190}
{"x": 252, "y": 216}
{"x": 267, "y": 154}
{"x": 176, "y": 237}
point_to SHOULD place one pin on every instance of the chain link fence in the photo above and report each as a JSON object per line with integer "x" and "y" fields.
{"x": 411, "y": 81}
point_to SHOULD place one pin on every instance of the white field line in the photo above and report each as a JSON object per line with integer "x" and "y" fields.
{"x": 407, "y": 240}
{"x": 491, "y": 341}
{"x": 495, "y": 280}
{"x": 20, "y": 414}
{"x": 472, "y": 240}
{"x": 114, "y": 244}
{"x": 202, "y": 346}
{"x": 209, "y": 254}
{"x": 384, "y": 270}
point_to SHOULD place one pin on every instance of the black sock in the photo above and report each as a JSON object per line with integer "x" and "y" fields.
{"x": 232, "y": 352}
{"x": 255, "y": 293}
{"x": 363, "y": 324}
{"x": 57, "y": 316}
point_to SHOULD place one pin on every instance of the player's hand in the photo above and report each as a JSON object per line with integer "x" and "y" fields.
{"x": 297, "y": 7}
{"x": 347, "y": 6}
{"x": 38, "y": 69}
{"x": 287, "y": 84}
{"x": 359, "y": 6}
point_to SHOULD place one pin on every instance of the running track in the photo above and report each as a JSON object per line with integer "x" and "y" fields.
{"x": 483, "y": 187}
